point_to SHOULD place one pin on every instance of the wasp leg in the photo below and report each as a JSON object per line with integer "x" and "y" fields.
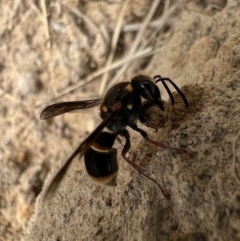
{"x": 119, "y": 141}
{"x": 156, "y": 143}
{"x": 152, "y": 124}
{"x": 126, "y": 148}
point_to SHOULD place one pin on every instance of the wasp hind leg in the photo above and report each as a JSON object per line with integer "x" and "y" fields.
{"x": 126, "y": 148}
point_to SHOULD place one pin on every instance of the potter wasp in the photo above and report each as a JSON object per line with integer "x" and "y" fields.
{"x": 121, "y": 107}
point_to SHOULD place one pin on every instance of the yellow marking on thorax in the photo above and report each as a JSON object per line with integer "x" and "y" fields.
{"x": 104, "y": 108}
{"x": 129, "y": 88}
{"x": 130, "y": 106}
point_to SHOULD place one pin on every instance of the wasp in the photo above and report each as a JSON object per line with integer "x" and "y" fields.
{"x": 121, "y": 107}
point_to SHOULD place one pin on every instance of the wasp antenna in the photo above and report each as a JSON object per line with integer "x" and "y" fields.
{"x": 169, "y": 92}
{"x": 158, "y": 78}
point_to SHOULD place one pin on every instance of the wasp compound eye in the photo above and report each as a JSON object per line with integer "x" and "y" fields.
{"x": 146, "y": 88}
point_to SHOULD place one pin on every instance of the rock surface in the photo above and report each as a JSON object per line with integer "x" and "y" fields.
{"x": 203, "y": 55}
{"x": 43, "y": 55}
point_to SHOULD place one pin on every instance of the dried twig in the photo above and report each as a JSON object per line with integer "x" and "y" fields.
{"x": 137, "y": 40}
{"x": 160, "y": 25}
{"x": 90, "y": 23}
{"x": 166, "y": 7}
{"x": 115, "y": 38}
{"x": 42, "y": 16}
{"x": 133, "y": 27}
{"x": 45, "y": 22}
{"x": 140, "y": 54}
{"x": 124, "y": 62}
{"x": 36, "y": 10}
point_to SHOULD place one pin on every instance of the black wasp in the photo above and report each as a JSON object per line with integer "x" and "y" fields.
{"x": 121, "y": 107}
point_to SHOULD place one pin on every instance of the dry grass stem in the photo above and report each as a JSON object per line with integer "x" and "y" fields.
{"x": 133, "y": 27}
{"x": 90, "y": 23}
{"x": 45, "y": 22}
{"x": 166, "y": 6}
{"x": 42, "y": 16}
{"x": 140, "y": 36}
{"x": 36, "y": 10}
{"x": 161, "y": 22}
{"x": 115, "y": 38}
{"x": 137, "y": 40}
{"x": 144, "y": 53}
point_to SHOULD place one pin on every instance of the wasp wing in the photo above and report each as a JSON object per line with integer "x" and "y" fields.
{"x": 64, "y": 107}
{"x": 83, "y": 147}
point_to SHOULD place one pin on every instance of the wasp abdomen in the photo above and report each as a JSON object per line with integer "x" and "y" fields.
{"x": 102, "y": 167}
{"x": 101, "y": 160}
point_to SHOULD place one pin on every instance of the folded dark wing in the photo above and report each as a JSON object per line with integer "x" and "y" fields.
{"x": 82, "y": 148}
{"x": 64, "y": 107}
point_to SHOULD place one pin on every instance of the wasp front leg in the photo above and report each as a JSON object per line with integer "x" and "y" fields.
{"x": 152, "y": 116}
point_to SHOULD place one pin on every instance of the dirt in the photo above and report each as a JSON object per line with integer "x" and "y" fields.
{"x": 42, "y": 56}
